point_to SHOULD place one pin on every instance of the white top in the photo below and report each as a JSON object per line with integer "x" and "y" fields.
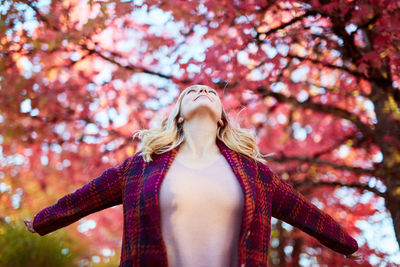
{"x": 201, "y": 211}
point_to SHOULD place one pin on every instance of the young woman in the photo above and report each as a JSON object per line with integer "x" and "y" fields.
{"x": 196, "y": 193}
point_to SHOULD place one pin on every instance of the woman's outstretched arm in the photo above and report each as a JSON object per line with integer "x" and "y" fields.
{"x": 102, "y": 192}
{"x": 290, "y": 206}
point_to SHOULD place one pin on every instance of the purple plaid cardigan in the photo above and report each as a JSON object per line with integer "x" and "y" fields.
{"x": 135, "y": 184}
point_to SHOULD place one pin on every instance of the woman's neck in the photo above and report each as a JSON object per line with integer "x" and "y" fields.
{"x": 200, "y": 135}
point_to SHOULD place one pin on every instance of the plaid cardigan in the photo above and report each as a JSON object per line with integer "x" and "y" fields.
{"x": 135, "y": 184}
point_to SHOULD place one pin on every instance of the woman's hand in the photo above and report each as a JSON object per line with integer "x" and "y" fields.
{"x": 354, "y": 256}
{"x": 29, "y": 225}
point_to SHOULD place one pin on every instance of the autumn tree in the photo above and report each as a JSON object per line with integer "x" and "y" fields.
{"x": 317, "y": 82}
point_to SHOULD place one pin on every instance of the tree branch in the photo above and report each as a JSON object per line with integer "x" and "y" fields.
{"x": 335, "y": 184}
{"x": 357, "y": 170}
{"x": 338, "y": 112}
{"x": 326, "y": 64}
{"x": 284, "y": 25}
{"x": 92, "y": 51}
{"x": 129, "y": 67}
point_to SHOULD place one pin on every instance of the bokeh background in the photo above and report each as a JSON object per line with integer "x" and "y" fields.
{"x": 317, "y": 82}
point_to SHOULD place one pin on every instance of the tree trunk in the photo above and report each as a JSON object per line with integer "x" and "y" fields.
{"x": 387, "y": 136}
{"x": 297, "y": 247}
{"x": 393, "y": 204}
{"x": 282, "y": 244}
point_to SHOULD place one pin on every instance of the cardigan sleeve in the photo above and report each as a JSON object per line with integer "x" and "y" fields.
{"x": 100, "y": 193}
{"x": 290, "y": 206}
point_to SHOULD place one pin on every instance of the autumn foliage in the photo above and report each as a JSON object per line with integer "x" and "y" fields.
{"x": 316, "y": 81}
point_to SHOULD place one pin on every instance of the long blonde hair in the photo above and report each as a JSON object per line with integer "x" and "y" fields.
{"x": 170, "y": 135}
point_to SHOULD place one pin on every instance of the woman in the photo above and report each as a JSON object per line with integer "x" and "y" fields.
{"x": 196, "y": 193}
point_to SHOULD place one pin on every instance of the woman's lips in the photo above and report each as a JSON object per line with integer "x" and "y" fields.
{"x": 202, "y": 95}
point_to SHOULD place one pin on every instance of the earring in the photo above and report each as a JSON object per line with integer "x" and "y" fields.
{"x": 180, "y": 120}
{"x": 221, "y": 123}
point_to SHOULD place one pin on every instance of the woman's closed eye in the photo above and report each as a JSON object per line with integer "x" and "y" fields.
{"x": 211, "y": 91}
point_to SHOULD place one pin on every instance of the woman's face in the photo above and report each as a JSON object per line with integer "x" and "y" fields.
{"x": 201, "y": 98}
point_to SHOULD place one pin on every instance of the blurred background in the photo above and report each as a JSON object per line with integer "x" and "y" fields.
{"x": 317, "y": 82}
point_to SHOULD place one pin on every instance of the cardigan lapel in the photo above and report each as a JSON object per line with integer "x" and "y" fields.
{"x": 156, "y": 170}
{"x": 240, "y": 167}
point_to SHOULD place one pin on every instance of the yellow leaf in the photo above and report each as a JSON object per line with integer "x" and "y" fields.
{"x": 296, "y": 115}
{"x": 396, "y": 191}
{"x": 130, "y": 150}
{"x": 52, "y": 74}
{"x": 36, "y": 44}
{"x": 394, "y": 157}
{"x": 268, "y": 100}
{"x": 349, "y": 142}
{"x": 312, "y": 171}
{"x": 392, "y": 107}
{"x": 52, "y": 44}
{"x": 283, "y": 139}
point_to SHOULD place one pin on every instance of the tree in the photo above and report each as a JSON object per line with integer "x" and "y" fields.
{"x": 19, "y": 248}
{"x": 319, "y": 80}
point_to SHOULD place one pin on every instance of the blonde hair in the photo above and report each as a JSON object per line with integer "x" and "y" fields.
{"x": 170, "y": 135}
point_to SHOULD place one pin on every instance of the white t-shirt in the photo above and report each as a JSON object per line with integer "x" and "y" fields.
{"x": 201, "y": 211}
